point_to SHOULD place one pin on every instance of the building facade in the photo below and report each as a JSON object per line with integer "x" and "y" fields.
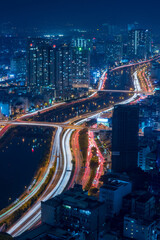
{"x": 125, "y": 138}
{"x": 75, "y": 210}
{"x": 112, "y": 194}
{"x": 40, "y": 64}
{"x": 139, "y": 43}
{"x": 139, "y": 229}
{"x": 61, "y": 67}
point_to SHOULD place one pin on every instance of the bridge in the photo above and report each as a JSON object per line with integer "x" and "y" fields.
{"x": 135, "y": 64}
{"x": 49, "y": 124}
{"x": 120, "y": 91}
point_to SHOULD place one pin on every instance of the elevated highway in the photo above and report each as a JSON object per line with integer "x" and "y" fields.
{"x": 31, "y": 217}
{"x": 48, "y": 124}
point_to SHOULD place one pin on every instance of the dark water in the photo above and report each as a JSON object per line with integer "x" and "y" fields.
{"x": 19, "y": 159}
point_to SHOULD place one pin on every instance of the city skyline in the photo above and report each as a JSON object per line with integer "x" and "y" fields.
{"x": 79, "y": 120}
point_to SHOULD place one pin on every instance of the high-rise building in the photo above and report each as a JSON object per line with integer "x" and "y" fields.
{"x": 5, "y": 109}
{"x": 114, "y": 50}
{"x": 63, "y": 68}
{"x": 81, "y": 43}
{"x": 73, "y": 65}
{"x": 139, "y": 43}
{"x": 18, "y": 67}
{"x": 40, "y": 64}
{"x": 80, "y": 63}
{"x": 132, "y": 26}
{"x": 125, "y": 138}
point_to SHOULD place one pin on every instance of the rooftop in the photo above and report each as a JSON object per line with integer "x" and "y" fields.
{"x": 145, "y": 198}
{"x": 139, "y": 196}
{"x": 140, "y": 221}
{"x": 114, "y": 184}
{"x": 75, "y": 197}
{"x": 43, "y": 231}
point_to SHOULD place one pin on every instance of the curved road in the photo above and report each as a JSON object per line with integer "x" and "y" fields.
{"x": 64, "y": 165}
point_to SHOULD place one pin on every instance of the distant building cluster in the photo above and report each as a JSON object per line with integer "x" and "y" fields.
{"x": 66, "y": 65}
{"x": 59, "y": 67}
{"x": 139, "y": 43}
{"x": 45, "y": 69}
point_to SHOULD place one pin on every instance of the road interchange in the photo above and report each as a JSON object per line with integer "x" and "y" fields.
{"x": 61, "y": 151}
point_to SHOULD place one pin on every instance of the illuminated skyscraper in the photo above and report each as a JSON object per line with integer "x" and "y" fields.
{"x": 80, "y": 63}
{"x": 80, "y": 43}
{"x": 63, "y": 68}
{"x": 139, "y": 43}
{"x": 40, "y": 64}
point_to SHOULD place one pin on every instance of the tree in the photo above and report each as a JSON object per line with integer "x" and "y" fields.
{"x": 94, "y": 162}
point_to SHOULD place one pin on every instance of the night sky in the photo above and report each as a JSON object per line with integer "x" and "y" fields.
{"x": 82, "y": 12}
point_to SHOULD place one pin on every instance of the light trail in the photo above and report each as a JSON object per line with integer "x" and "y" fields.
{"x": 35, "y": 190}
{"x": 25, "y": 222}
{"x": 101, "y": 161}
{"x": 77, "y": 156}
{"x": 40, "y": 111}
{"x": 118, "y": 91}
{"x": 46, "y": 124}
{"x": 135, "y": 64}
{"x": 101, "y": 84}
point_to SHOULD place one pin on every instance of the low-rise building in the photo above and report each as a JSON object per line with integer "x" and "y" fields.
{"x": 47, "y": 232}
{"x": 76, "y": 211}
{"x": 140, "y": 229}
{"x": 112, "y": 194}
{"x": 140, "y": 203}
